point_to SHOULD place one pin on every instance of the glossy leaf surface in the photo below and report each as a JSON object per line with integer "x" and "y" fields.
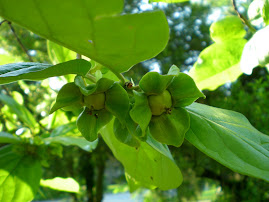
{"x": 170, "y": 128}
{"x": 61, "y": 184}
{"x": 8, "y": 138}
{"x": 230, "y": 139}
{"x": 38, "y": 71}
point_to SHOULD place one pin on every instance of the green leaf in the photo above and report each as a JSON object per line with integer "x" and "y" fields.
{"x": 95, "y": 29}
{"x": 218, "y": 64}
{"x": 61, "y": 184}
{"x": 265, "y": 12}
{"x": 144, "y": 164}
{"x": 58, "y": 53}
{"x": 256, "y": 51}
{"x": 73, "y": 141}
{"x": 230, "y": 139}
{"x": 64, "y": 129}
{"x": 22, "y": 112}
{"x": 38, "y": 71}
{"x": 184, "y": 90}
{"x": 174, "y": 70}
{"x": 170, "y": 128}
{"x": 168, "y": 1}
{"x": 259, "y": 9}
{"x": 154, "y": 83}
{"x": 117, "y": 102}
{"x": 230, "y": 27}
{"x": 90, "y": 122}
{"x": 126, "y": 133}
{"x": 8, "y": 138}
{"x": 141, "y": 112}
{"x": 101, "y": 86}
{"x": 69, "y": 95}
{"x": 19, "y": 176}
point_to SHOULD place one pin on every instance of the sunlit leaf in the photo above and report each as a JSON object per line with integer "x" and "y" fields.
{"x": 59, "y": 54}
{"x": 230, "y": 27}
{"x": 256, "y": 51}
{"x": 144, "y": 164}
{"x": 95, "y": 29}
{"x": 230, "y": 139}
{"x": 22, "y": 112}
{"x": 61, "y": 184}
{"x": 38, "y": 71}
{"x": 19, "y": 176}
{"x": 218, "y": 64}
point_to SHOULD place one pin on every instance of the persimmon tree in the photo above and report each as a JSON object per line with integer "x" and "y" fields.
{"x": 136, "y": 121}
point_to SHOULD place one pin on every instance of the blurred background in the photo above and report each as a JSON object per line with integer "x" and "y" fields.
{"x": 98, "y": 173}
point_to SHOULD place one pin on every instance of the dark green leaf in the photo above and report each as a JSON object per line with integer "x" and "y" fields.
{"x": 101, "y": 86}
{"x": 170, "y": 128}
{"x": 39, "y": 71}
{"x": 256, "y": 51}
{"x": 95, "y": 29}
{"x": 126, "y": 133}
{"x": 8, "y": 138}
{"x": 154, "y": 83}
{"x": 218, "y": 64}
{"x": 68, "y": 96}
{"x": 230, "y": 139}
{"x": 144, "y": 164}
{"x": 90, "y": 122}
{"x": 184, "y": 90}
{"x": 141, "y": 112}
{"x": 23, "y": 114}
{"x": 19, "y": 176}
{"x": 230, "y": 27}
{"x": 117, "y": 102}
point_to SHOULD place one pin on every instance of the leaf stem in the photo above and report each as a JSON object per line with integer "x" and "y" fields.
{"x": 243, "y": 19}
{"x": 91, "y": 78}
{"x": 121, "y": 77}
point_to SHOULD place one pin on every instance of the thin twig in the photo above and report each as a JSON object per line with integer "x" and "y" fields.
{"x": 19, "y": 41}
{"x": 3, "y": 22}
{"x": 243, "y": 19}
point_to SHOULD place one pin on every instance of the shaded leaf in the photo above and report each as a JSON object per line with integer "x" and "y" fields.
{"x": 8, "y": 138}
{"x": 69, "y": 95}
{"x": 184, "y": 90}
{"x": 117, "y": 102}
{"x": 90, "y": 122}
{"x": 38, "y": 71}
{"x": 154, "y": 83}
{"x": 95, "y": 29}
{"x": 141, "y": 112}
{"x": 126, "y": 133}
{"x": 19, "y": 176}
{"x": 230, "y": 139}
{"x": 174, "y": 70}
{"x": 170, "y": 128}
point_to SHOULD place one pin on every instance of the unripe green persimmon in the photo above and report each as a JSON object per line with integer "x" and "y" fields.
{"x": 95, "y": 101}
{"x": 159, "y": 103}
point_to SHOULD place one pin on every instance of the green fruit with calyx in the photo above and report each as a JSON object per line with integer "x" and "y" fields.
{"x": 95, "y": 101}
{"x": 160, "y": 103}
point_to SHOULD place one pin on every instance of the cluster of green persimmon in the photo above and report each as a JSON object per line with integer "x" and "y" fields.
{"x": 155, "y": 106}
